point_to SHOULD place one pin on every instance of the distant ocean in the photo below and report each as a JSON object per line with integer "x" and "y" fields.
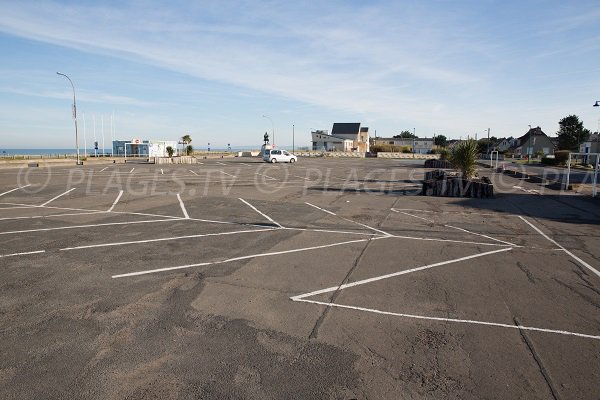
{"x": 37, "y": 152}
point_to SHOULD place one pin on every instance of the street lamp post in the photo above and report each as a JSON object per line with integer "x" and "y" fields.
{"x": 272, "y": 126}
{"x": 74, "y": 116}
{"x": 293, "y": 138}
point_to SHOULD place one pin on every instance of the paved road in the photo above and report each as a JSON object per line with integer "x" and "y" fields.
{"x": 327, "y": 279}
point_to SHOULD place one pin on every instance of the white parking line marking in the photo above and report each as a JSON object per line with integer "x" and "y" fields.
{"x": 60, "y": 195}
{"x": 53, "y": 215}
{"x": 301, "y": 177}
{"x": 579, "y": 260}
{"x": 194, "y": 172}
{"x": 22, "y": 254}
{"x": 185, "y": 214}
{"x": 247, "y": 165}
{"x": 482, "y": 235}
{"x": 415, "y": 216}
{"x": 165, "y": 239}
{"x": 407, "y": 271}
{"x": 266, "y": 176}
{"x": 131, "y": 170}
{"x": 102, "y": 169}
{"x": 88, "y": 226}
{"x": 454, "y": 320}
{"x": 227, "y": 173}
{"x": 349, "y": 220}
{"x": 322, "y": 209}
{"x": 447, "y": 212}
{"x": 12, "y": 190}
{"x": 116, "y": 201}
{"x": 256, "y": 209}
{"x": 162, "y": 172}
{"x": 151, "y": 271}
{"x": 218, "y": 162}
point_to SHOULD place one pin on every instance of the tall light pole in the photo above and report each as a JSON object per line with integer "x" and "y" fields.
{"x": 293, "y": 138}
{"x": 74, "y": 115}
{"x": 272, "y": 126}
{"x": 488, "y": 146}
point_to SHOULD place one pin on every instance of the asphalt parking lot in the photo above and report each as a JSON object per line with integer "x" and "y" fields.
{"x": 325, "y": 279}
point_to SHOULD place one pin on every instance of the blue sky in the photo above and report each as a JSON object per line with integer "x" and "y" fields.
{"x": 211, "y": 69}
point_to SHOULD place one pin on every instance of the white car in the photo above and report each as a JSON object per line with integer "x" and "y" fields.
{"x": 274, "y": 156}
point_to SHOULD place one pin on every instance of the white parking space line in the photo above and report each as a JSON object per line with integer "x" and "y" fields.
{"x": 301, "y": 177}
{"x": 151, "y": 271}
{"x": 322, "y": 209}
{"x": 414, "y": 216}
{"x": 457, "y": 228}
{"x": 54, "y": 198}
{"x": 404, "y": 272}
{"x": 247, "y": 165}
{"x": 88, "y": 226}
{"x": 223, "y": 172}
{"x": 482, "y": 235}
{"x": 349, "y": 220}
{"x": 131, "y": 170}
{"x": 12, "y": 190}
{"x": 116, "y": 201}
{"x": 102, "y": 170}
{"x": 185, "y": 213}
{"x": 54, "y": 215}
{"x": 266, "y": 176}
{"x": 579, "y": 260}
{"x": 256, "y": 209}
{"x": 22, "y": 254}
{"x": 194, "y": 172}
{"x": 455, "y": 320}
{"x": 218, "y": 162}
{"x": 90, "y": 246}
{"x": 447, "y": 212}
{"x": 162, "y": 172}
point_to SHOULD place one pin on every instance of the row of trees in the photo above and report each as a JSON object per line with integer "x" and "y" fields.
{"x": 571, "y": 133}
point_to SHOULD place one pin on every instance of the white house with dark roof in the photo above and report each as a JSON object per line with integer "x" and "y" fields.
{"x": 343, "y": 137}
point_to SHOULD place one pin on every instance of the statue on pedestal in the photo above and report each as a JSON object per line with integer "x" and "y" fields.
{"x": 266, "y": 138}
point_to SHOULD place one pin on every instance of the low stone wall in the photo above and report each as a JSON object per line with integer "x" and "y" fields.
{"x": 248, "y": 153}
{"x": 450, "y": 186}
{"x": 345, "y": 154}
{"x": 438, "y": 164}
{"x": 175, "y": 160}
{"x": 383, "y": 154}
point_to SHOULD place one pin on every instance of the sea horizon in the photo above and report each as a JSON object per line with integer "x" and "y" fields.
{"x": 62, "y": 151}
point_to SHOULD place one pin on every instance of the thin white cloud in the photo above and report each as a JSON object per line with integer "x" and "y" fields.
{"x": 386, "y": 60}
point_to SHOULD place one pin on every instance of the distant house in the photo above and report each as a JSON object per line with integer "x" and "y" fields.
{"x": 503, "y": 145}
{"x": 343, "y": 137}
{"x": 534, "y": 141}
{"x": 592, "y": 145}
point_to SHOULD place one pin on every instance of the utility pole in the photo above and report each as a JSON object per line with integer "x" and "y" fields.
{"x": 488, "y": 146}
{"x": 293, "y": 138}
{"x": 74, "y": 115}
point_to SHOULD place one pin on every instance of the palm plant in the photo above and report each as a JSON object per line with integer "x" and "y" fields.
{"x": 189, "y": 150}
{"x": 463, "y": 157}
{"x": 170, "y": 151}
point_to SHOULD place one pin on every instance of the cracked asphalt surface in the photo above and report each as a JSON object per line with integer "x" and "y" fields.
{"x": 326, "y": 279}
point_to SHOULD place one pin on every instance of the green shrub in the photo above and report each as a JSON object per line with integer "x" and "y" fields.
{"x": 464, "y": 157}
{"x": 170, "y": 151}
{"x": 549, "y": 161}
{"x": 561, "y": 156}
